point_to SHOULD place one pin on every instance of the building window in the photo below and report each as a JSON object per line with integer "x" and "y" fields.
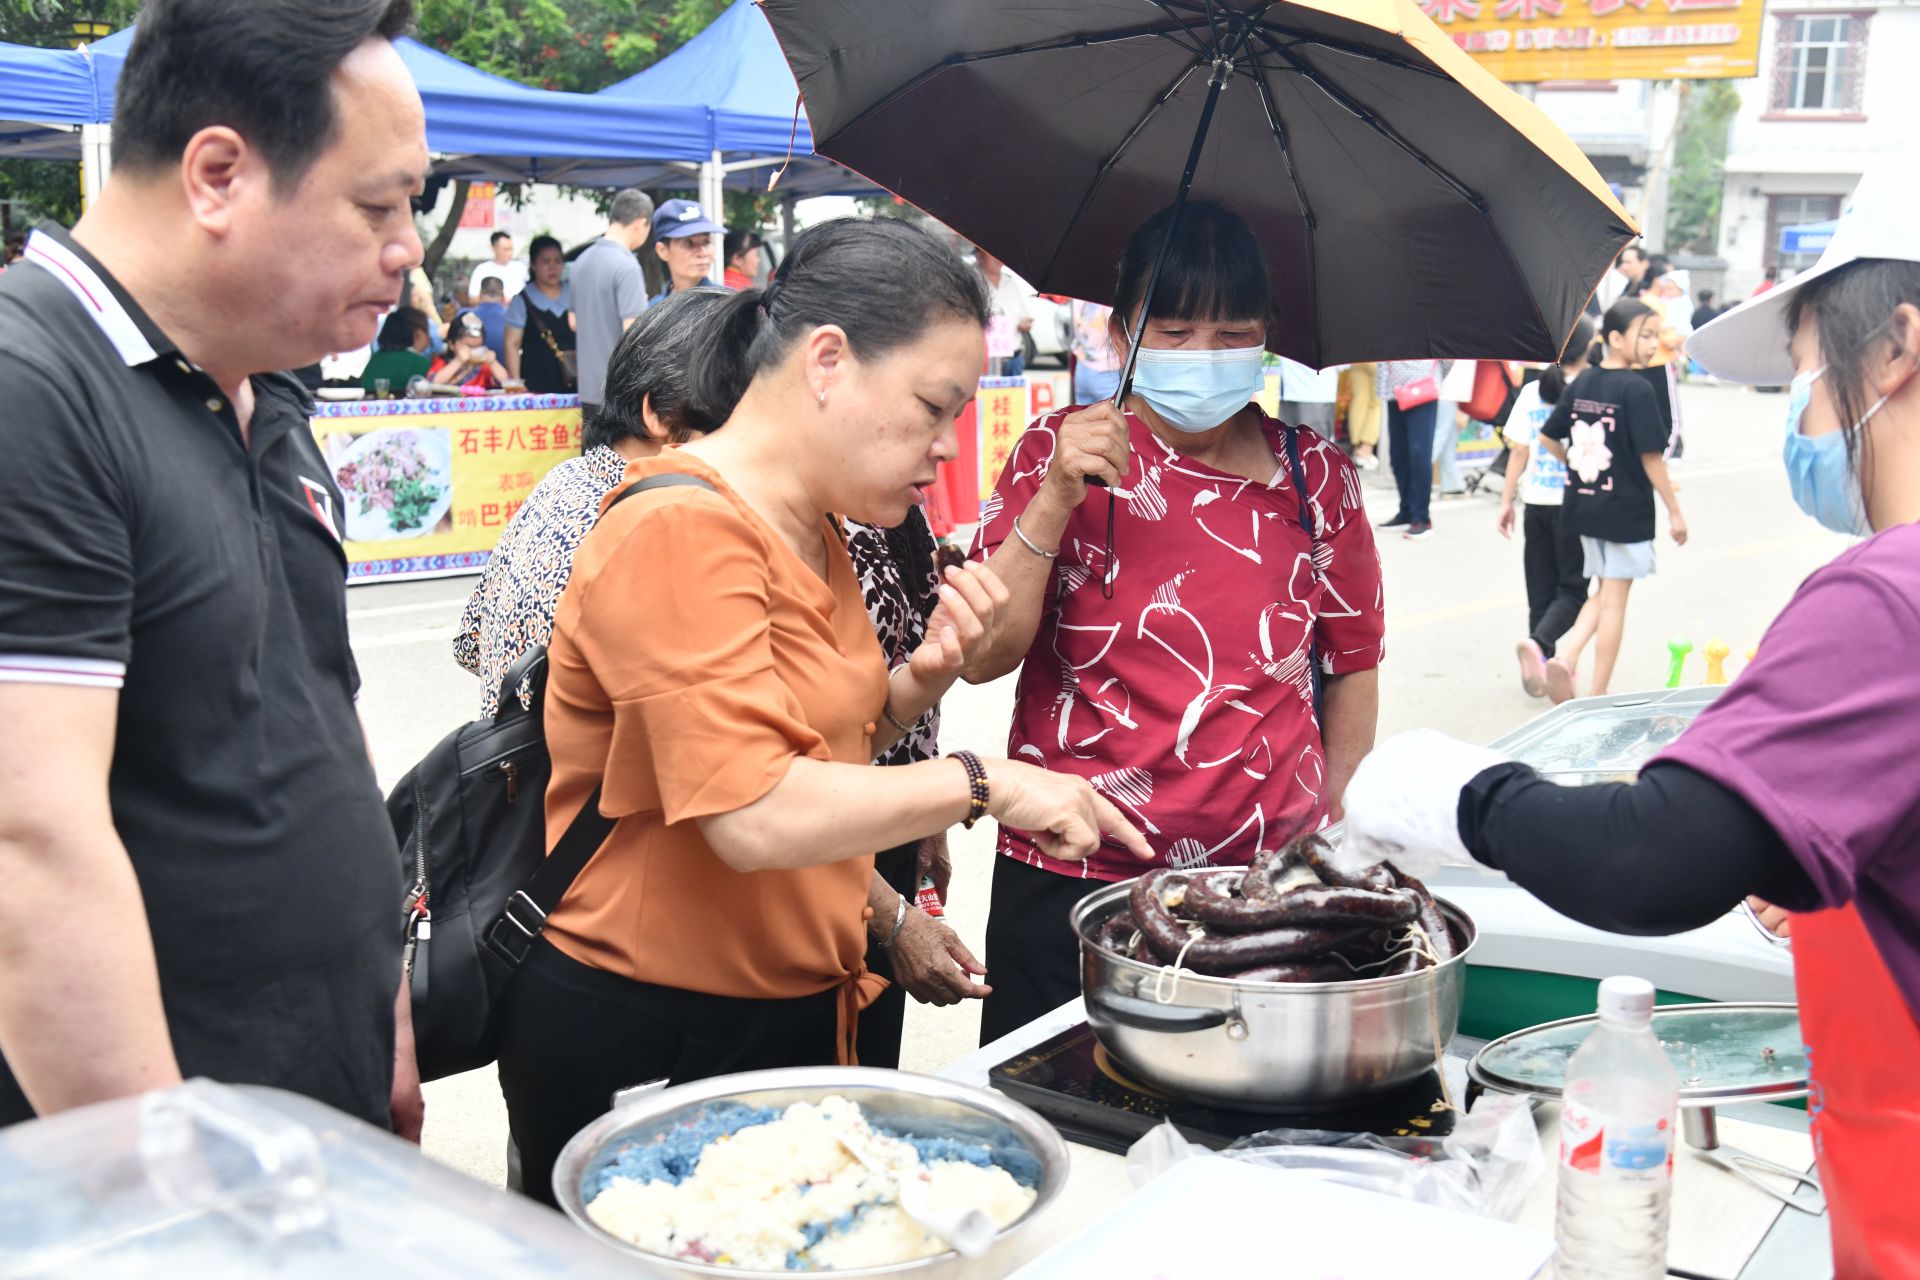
{"x": 1819, "y": 63}
{"x": 1795, "y": 211}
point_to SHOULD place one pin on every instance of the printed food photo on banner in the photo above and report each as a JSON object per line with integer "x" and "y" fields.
{"x": 398, "y": 482}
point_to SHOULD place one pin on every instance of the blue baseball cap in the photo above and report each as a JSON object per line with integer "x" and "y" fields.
{"x": 678, "y": 219}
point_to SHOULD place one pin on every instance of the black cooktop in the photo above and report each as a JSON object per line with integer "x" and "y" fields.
{"x": 1093, "y": 1099}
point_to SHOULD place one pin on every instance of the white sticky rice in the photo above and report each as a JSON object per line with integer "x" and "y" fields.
{"x": 753, "y": 1194}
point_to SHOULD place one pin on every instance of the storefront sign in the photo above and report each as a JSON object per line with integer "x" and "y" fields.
{"x": 1533, "y": 40}
{"x": 479, "y": 209}
{"x": 1807, "y": 238}
{"x": 429, "y": 484}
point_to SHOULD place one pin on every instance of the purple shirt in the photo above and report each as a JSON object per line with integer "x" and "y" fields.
{"x": 1821, "y": 735}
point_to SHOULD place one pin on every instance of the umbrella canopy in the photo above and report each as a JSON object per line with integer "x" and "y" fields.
{"x": 1409, "y": 203}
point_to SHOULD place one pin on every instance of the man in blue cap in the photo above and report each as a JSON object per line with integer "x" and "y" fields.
{"x": 682, "y": 236}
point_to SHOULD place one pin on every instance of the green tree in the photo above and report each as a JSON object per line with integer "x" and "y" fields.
{"x": 1699, "y": 167}
{"x": 55, "y": 24}
{"x": 581, "y": 46}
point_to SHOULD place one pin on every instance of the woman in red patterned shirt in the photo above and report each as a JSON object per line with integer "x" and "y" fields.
{"x": 1175, "y": 668}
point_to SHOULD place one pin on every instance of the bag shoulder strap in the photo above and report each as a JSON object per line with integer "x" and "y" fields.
{"x": 1299, "y": 473}
{"x": 528, "y": 909}
{"x": 666, "y": 480}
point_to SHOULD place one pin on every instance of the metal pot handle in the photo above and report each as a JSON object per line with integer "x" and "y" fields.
{"x": 1151, "y": 1015}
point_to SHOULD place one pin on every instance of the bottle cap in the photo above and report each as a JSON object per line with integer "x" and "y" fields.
{"x": 1626, "y": 999}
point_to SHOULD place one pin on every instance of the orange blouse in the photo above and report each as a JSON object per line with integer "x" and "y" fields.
{"x": 694, "y": 656}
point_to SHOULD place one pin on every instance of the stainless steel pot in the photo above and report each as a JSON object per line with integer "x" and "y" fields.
{"x": 921, "y": 1106}
{"x": 1266, "y": 1046}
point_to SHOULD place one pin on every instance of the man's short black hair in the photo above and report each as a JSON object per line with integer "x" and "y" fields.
{"x": 498, "y": 236}
{"x": 261, "y": 67}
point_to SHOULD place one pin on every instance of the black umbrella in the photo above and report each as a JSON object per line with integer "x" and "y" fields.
{"x": 1410, "y": 205}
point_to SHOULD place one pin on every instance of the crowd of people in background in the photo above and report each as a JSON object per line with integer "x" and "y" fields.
{"x": 548, "y": 326}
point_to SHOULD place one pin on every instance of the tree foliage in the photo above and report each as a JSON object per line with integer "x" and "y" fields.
{"x": 57, "y": 24}
{"x": 577, "y": 45}
{"x": 1699, "y": 167}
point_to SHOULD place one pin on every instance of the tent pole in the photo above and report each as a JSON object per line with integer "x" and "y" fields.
{"x": 713, "y": 198}
{"x": 786, "y": 227}
{"x": 96, "y": 160}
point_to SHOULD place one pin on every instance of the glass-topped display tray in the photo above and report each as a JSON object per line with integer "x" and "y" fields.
{"x": 1725, "y": 1053}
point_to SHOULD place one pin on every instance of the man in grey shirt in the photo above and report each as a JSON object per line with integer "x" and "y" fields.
{"x": 609, "y": 292}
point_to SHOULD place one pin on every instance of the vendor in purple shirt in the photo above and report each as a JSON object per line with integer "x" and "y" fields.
{"x": 1801, "y": 784}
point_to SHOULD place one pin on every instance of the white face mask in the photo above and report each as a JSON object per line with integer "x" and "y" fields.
{"x": 1195, "y": 391}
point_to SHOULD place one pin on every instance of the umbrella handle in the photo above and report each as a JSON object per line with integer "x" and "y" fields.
{"x": 1222, "y": 72}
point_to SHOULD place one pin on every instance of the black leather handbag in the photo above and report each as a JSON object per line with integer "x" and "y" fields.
{"x": 471, "y": 823}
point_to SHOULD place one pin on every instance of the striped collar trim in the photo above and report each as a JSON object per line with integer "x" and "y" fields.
{"x": 94, "y": 293}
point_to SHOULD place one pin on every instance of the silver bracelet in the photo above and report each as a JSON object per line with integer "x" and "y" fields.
{"x": 899, "y": 919}
{"x": 1021, "y": 534}
{"x": 886, "y": 708}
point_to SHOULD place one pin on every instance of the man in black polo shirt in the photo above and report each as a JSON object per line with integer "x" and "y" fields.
{"x": 196, "y": 873}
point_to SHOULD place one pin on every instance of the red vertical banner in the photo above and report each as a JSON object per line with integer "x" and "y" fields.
{"x": 953, "y": 500}
{"x": 960, "y": 478}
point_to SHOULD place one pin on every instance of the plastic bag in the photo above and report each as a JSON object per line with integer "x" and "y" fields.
{"x": 1403, "y": 803}
{"x": 1485, "y": 1166}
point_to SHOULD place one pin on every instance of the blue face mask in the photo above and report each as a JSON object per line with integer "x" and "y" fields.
{"x": 1823, "y": 485}
{"x": 1195, "y": 391}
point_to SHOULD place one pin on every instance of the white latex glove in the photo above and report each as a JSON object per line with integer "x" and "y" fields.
{"x": 1403, "y": 803}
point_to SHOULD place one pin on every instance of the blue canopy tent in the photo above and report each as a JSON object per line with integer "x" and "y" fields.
{"x": 47, "y": 86}
{"x": 486, "y": 126}
{"x": 736, "y": 71}
{"x": 50, "y": 102}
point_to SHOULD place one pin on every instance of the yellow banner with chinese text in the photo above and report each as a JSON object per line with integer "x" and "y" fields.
{"x": 429, "y": 485}
{"x": 1533, "y": 40}
{"x": 1003, "y": 413}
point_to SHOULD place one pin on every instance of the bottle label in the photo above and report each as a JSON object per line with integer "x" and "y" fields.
{"x": 928, "y": 898}
{"x": 1619, "y": 1151}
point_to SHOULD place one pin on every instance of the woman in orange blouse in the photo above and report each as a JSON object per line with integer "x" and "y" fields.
{"x": 713, "y": 668}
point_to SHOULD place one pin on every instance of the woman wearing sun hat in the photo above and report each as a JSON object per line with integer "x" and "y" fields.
{"x": 1801, "y": 784}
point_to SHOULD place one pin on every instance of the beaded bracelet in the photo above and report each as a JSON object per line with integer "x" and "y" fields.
{"x": 976, "y": 785}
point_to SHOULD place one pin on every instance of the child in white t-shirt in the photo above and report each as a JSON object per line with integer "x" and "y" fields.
{"x": 1554, "y": 561}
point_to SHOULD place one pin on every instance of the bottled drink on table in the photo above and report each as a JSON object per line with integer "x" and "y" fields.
{"x": 1616, "y": 1144}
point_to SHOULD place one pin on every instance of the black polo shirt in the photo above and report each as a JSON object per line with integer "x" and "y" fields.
{"x": 144, "y": 548}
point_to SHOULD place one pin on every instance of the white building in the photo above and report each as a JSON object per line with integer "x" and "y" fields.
{"x": 1839, "y": 84}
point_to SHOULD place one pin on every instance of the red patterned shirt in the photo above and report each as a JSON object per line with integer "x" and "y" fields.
{"x": 1187, "y": 699}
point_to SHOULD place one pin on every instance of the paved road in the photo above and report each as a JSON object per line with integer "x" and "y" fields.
{"x": 1456, "y": 606}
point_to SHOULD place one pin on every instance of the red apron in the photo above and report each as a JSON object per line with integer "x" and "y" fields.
{"x": 1863, "y": 1046}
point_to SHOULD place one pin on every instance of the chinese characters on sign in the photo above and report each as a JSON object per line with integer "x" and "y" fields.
{"x": 1532, "y": 40}
{"x": 429, "y": 485}
{"x": 1003, "y": 414}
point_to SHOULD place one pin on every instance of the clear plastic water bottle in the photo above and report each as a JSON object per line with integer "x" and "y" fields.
{"x": 1616, "y": 1144}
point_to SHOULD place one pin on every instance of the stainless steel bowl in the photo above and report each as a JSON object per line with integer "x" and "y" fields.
{"x": 915, "y": 1105}
{"x": 1266, "y": 1046}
